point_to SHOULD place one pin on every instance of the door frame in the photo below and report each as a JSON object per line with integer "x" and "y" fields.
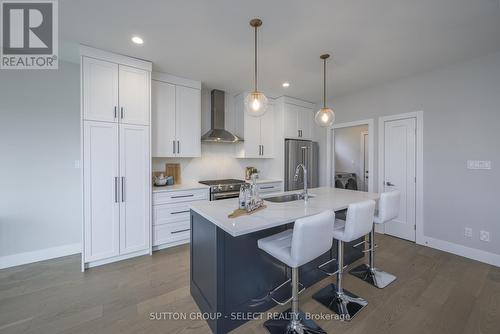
{"x": 362, "y": 156}
{"x": 419, "y": 166}
{"x": 330, "y": 144}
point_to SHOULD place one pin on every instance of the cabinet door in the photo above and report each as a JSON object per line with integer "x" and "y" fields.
{"x": 291, "y": 121}
{"x": 305, "y": 119}
{"x": 134, "y": 95}
{"x": 188, "y": 121}
{"x": 101, "y": 200}
{"x": 134, "y": 188}
{"x": 100, "y": 90}
{"x": 267, "y": 132}
{"x": 252, "y": 136}
{"x": 163, "y": 119}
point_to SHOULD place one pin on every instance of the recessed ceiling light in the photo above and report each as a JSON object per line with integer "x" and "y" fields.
{"x": 285, "y": 84}
{"x": 137, "y": 40}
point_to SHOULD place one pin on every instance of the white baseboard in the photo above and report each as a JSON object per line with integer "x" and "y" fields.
{"x": 470, "y": 253}
{"x": 39, "y": 255}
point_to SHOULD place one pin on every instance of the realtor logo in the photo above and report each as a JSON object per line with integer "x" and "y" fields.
{"x": 29, "y": 36}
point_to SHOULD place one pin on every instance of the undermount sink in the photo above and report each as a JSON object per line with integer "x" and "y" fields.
{"x": 286, "y": 198}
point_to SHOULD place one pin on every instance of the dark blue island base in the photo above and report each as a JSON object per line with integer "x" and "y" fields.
{"x": 231, "y": 277}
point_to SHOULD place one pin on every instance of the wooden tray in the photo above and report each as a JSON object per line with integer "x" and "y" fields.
{"x": 241, "y": 212}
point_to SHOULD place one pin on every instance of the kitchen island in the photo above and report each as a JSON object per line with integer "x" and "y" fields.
{"x": 230, "y": 276}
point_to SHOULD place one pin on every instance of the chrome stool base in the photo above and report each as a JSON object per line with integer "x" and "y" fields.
{"x": 284, "y": 325}
{"x": 345, "y": 304}
{"x": 373, "y": 276}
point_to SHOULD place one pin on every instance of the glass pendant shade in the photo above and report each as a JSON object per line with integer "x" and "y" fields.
{"x": 255, "y": 104}
{"x": 324, "y": 117}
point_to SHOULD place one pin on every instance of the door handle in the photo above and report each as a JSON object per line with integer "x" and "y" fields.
{"x": 389, "y": 184}
{"x": 123, "y": 188}
{"x": 116, "y": 189}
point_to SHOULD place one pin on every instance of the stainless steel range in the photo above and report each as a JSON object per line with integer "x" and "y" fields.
{"x": 222, "y": 189}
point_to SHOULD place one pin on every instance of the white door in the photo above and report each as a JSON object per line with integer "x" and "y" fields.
{"x": 252, "y": 136}
{"x": 399, "y": 174}
{"x": 134, "y": 190}
{"x": 134, "y": 95}
{"x": 101, "y": 196}
{"x": 305, "y": 120}
{"x": 291, "y": 121}
{"x": 163, "y": 119}
{"x": 100, "y": 90}
{"x": 267, "y": 132}
{"x": 188, "y": 121}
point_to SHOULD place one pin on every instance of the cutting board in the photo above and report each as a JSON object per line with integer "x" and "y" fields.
{"x": 240, "y": 212}
{"x": 174, "y": 170}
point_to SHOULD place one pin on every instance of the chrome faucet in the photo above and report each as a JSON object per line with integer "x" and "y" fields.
{"x": 305, "y": 194}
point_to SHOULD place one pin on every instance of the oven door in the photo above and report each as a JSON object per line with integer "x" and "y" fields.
{"x": 225, "y": 195}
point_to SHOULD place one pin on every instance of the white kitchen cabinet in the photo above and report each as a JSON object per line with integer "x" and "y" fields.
{"x": 100, "y": 84}
{"x": 134, "y": 95}
{"x": 163, "y": 122}
{"x": 257, "y": 132}
{"x": 116, "y": 157}
{"x": 176, "y": 116}
{"x": 188, "y": 121}
{"x": 101, "y": 201}
{"x": 298, "y": 121}
{"x": 115, "y": 93}
{"x": 134, "y": 186}
{"x": 171, "y": 215}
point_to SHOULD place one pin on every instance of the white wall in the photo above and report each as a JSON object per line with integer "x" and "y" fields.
{"x": 461, "y": 105}
{"x": 218, "y": 159}
{"x": 348, "y": 151}
{"x": 40, "y": 204}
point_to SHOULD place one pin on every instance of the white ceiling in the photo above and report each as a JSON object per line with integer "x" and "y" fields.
{"x": 210, "y": 40}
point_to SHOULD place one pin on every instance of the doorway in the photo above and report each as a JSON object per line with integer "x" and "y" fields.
{"x": 399, "y": 166}
{"x": 350, "y": 152}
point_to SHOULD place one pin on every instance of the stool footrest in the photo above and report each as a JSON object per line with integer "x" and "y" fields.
{"x": 283, "y": 324}
{"x": 279, "y": 287}
{"x": 328, "y": 271}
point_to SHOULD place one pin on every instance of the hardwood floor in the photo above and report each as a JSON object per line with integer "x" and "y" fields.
{"x": 435, "y": 292}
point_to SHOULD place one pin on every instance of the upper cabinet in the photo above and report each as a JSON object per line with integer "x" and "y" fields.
{"x": 176, "y": 116}
{"x": 115, "y": 92}
{"x": 257, "y": 132}
{"x": 298, "y": 118}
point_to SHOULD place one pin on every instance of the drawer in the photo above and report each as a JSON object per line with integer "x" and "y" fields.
{"x": 180, "y": 196}
{"x": 170, "y": 213}
{"x": 168, "y": 233}
{"x": 269, "y": 187}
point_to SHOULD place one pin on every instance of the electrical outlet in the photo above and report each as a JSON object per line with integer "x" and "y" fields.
{"x": 468, "y": 232}
{"x": 484, "y": 236}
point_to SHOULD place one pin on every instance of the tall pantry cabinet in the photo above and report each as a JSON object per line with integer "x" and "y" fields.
{"x": 116, "y": 154}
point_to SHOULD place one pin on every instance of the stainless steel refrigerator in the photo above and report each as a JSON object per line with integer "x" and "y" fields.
{"x": 300, "y": 152}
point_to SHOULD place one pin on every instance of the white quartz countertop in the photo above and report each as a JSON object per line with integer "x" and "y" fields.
{"x": 277, "y": 214}
{"x": 181, "y": 186}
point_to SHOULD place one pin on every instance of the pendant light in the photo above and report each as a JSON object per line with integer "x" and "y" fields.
{"x": 325, "y": 116}
{"x": 255, "y": 102}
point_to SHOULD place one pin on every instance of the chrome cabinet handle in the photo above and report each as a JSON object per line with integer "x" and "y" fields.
{"x": 116, "y": 111}
{"x": 123, "y": 188}
{"x": 268, "y": 187}
{"x": 178, "y": 147}
{"x": 262, "y": 149}
{"x": 116, "y": 189}
{"x": 174, "y": 232}
{"x": 389, "y": 184}
{"x": 121, "y": 112}
{"x": 182, "y": 196}
{"x": 179, "y": 212}
{"x": 173, "y": 146}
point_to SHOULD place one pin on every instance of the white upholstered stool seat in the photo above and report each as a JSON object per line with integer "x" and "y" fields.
{"x": 310, "y": 238}
{"x": 358, "y": 223}
{"x": 388, "y": 209}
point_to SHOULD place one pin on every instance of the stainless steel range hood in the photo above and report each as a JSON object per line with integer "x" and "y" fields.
{"x": 217, "y": 133}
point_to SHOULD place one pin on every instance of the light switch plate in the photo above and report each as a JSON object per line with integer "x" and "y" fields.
{"x": 484, "y": 236}
{"x": 478, "y": 164}
{"x": 468, "y": 232}
{"x": 77, "y": 164}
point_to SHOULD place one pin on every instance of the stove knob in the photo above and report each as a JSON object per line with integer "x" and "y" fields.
{"x": 231, "y": 186}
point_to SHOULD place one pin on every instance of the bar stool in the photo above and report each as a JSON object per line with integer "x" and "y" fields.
{"x": 310, "y": 238}
{"x": 359, "y": 222}
{"x": 388, "y": 209}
